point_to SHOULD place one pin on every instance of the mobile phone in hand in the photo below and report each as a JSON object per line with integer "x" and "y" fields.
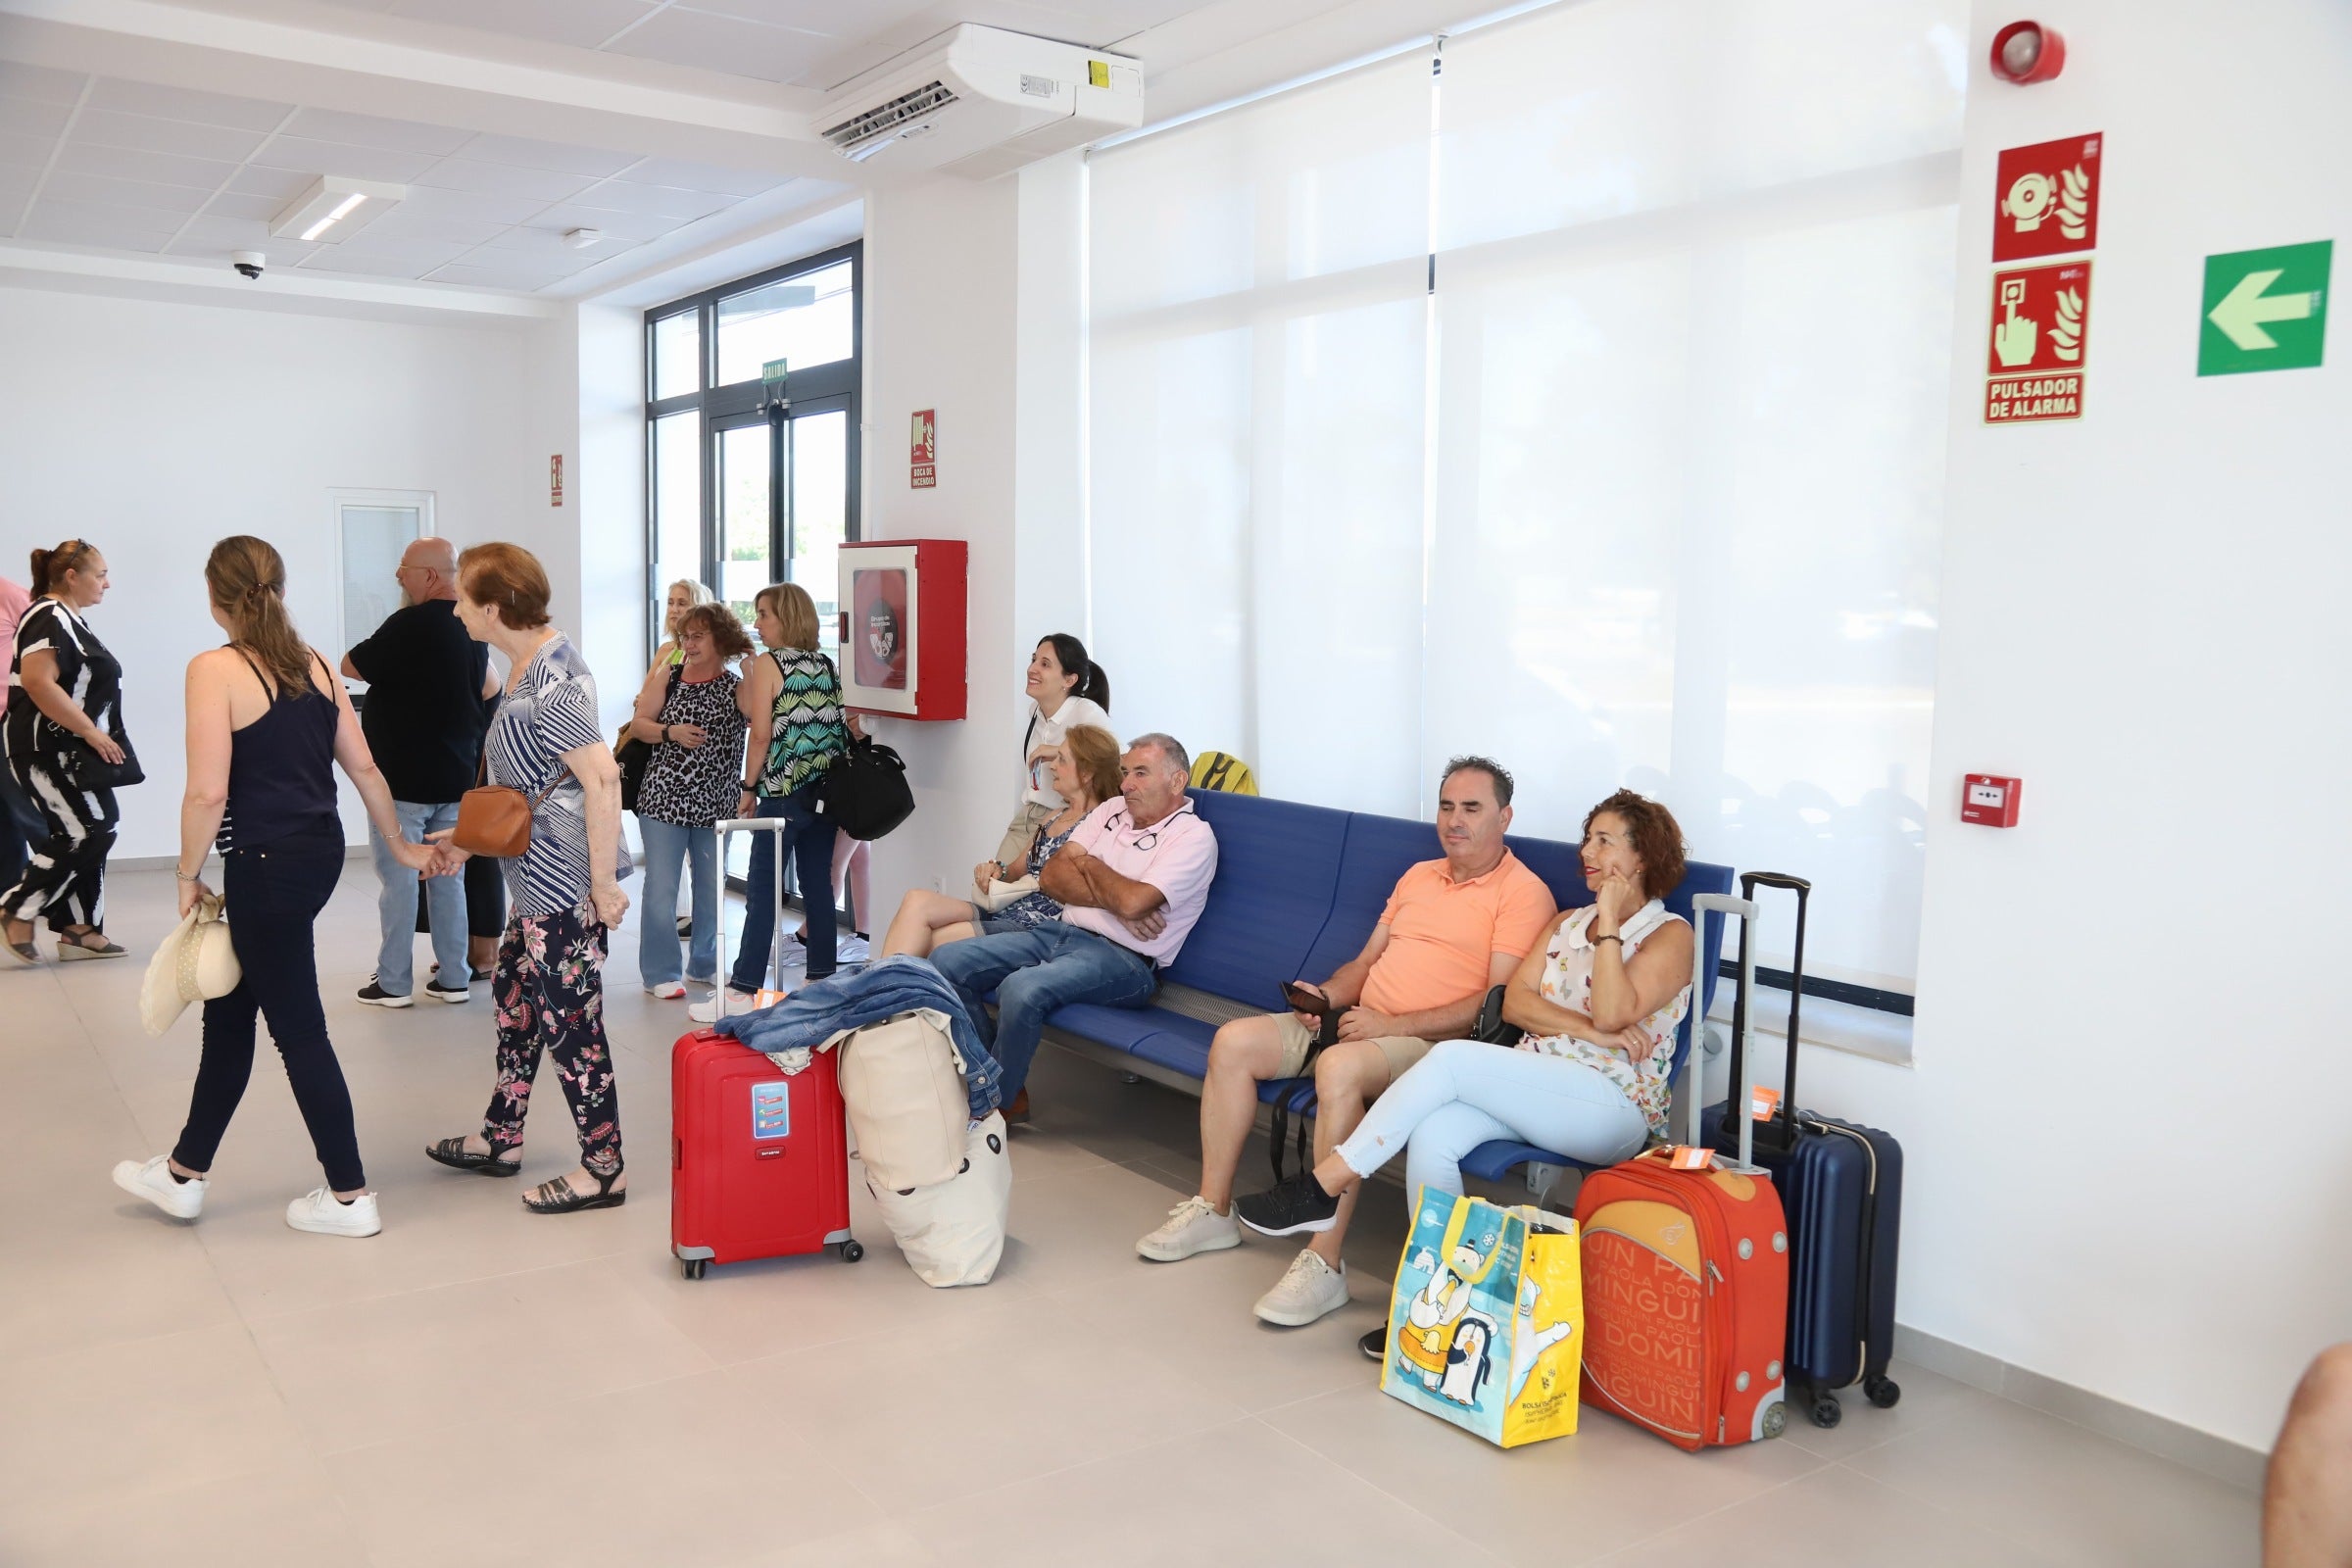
{"x": 1301, "y": 1000}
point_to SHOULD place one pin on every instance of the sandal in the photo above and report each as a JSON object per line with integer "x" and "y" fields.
{"x": 558, "y": 1198}
{"x": 73, "y": 944}
{"x": 24, "y": 952}
{"x": 453, "y": 1153}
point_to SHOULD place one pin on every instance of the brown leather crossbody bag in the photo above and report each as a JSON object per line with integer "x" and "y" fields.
{"x": 495, "y": 820}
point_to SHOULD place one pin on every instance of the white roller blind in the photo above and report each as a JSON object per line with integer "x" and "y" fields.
{"x": 1258, "y": 305}
{"x": 1647, "y": 492}
{"x": 1694, "y": 287}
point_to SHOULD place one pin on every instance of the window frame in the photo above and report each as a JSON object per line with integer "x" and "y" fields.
{"x": 828, "y": 388}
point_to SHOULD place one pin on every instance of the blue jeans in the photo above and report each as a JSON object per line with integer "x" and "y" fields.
{"x": 1466, "y": 1092}
{"x": 396, "y": 904}
{"x": 667, "y": 845}
{"x": 1035, "y": 972}
{"x": 807, "y": 837}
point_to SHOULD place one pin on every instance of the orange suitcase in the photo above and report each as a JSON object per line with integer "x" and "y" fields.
{"x": 1686, "y": 1300}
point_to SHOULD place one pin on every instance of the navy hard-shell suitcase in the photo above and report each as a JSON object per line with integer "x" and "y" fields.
{"x": 1842, "y": 1186}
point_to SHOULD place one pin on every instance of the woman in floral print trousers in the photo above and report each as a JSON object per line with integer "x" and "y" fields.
{"x": 550, "y": 996}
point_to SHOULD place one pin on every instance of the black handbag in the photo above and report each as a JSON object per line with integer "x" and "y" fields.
{"x": 79, "y": 766}
{"x": 865, "y": 793}
{"x": 633, "y": 753}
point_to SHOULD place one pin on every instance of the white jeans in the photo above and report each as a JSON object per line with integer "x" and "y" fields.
{"x": 1466, "y": 1092}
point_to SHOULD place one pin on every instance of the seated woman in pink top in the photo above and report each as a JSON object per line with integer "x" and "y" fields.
{"x": 1600, "y": 999}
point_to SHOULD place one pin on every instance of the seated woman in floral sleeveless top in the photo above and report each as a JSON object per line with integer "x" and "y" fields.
{"x": 1085, "y": 772}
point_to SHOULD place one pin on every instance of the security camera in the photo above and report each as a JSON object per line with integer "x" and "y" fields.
{"x": 249, "y": 263}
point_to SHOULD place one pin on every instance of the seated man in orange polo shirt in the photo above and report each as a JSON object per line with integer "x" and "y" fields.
{"x": 1453, "y": 928}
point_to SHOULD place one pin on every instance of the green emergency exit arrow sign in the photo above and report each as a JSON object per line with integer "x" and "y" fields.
{"x": 2265, "y": 310}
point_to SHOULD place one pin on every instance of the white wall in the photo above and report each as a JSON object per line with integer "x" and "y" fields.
{"x": 156, "y": 428}
{"x": 940, "y": 266}
{"x": 2130, "y": 1166}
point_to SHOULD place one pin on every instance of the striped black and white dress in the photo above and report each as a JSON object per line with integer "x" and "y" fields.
{"x": 550, "y": 709}
{"x": 65, "y": 877}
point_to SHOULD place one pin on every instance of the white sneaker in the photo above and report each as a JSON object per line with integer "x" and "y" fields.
{"x": 667, "y": 990}
{"x": 721, "y": 1004}
{"x": 847, "y": 948}
{"x": 317, "y": 1211}
{"x": 1307, "y": 1289}
{"x": 1193, "y": 1226}
{"x": 152, "y": 1180}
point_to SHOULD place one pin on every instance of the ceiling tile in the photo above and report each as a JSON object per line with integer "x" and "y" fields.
{"x": 413, "y": 258}
{"x": 739, "y": 48}
{"x": 232, "y": 203}
{"x": 281, "y": 185}
{"x": 681, "y": 174}
{"x": 537, "y": 239}
{"x": 161, "y": 169}
{"x": 615, "y": 224}
{"x": 366, "y": 264}
{"x": 18, "y": 150}
{"x": 309, "y": 157}
{"x": 135, "y": 193}
{"x": 33, "y": 117}
{"x": 583, "y": 23}
{"x": 40, "y": 81}
{"x": 857, "y": 20}
{"x": 16, "y": 184}
{"x": 210, "y": 233}
{"x": 365, "y": 130}
{"x": 187, "y": 103}
{"x": 405, "y": 222}
{"x": 503, "y": 180}
{"x": 80, "y": 223}
{"x": 654, "y": 201}
{"x": 521, "y": 152}
{"x": 526, "y": 281}
{"x": 494, "y": 206}
{"x": 105, "y": 127}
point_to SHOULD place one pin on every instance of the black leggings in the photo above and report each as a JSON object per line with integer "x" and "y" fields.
{"x": 274, "y": 894}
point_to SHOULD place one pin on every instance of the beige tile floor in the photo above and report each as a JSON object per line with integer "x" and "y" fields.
{"x": 478, "y": 1385}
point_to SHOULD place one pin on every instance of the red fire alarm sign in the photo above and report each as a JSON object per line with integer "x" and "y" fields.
{"x": 2038, "y": 342}
{"x": 1989, "y": 799}
{"x": 922, "y": 463}
{"x": 2048, "y": 199}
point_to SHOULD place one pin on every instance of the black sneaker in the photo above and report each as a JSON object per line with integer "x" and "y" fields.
{"x": 1289, "y": 1208}
{"x": 1374, "y": 1344}
{"x": 376, "y": 996}
{"x": 441, "y": 993}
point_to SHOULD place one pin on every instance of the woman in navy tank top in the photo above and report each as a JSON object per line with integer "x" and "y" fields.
{"x": 267, "y": 722}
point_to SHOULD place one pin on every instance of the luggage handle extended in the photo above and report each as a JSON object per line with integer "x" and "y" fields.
{"x": 1782, "y": 1125}
{"x": 1742, "y": 1088}
{"x": 727, "y": 827}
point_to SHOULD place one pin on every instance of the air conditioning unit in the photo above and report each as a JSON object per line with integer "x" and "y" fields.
{"x": 980, "y": 102}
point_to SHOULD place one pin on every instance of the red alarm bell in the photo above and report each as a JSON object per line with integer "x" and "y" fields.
{"x": 2026, "y": 52}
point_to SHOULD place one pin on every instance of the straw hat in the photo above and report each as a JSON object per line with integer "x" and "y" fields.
{"x": 194, "y": 963}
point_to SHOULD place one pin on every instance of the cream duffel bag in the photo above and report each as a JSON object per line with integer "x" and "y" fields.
{"x": 953, "y": 1233}
{"x": 902, "y": 1086}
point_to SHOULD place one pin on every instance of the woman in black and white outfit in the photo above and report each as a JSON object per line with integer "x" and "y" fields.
{"x": 71, "y": 690}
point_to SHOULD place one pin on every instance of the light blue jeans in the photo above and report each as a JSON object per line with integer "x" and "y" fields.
{"x": 396, "y": 904}
{"x": 1466, "y": 1092}
{"x": 667, "y": 845}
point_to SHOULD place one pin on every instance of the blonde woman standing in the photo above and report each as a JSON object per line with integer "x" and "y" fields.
{"x": 684, "y": 594}
{"x": 267, "y": 720}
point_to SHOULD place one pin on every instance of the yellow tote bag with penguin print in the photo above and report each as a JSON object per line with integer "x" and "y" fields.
{"x": 1487, "y": 1319}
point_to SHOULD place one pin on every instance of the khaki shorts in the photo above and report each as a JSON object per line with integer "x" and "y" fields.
{"x": 1399, "y": 1051}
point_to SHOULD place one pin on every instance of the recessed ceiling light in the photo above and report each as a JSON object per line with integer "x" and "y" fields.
{"x": 324, "y": 210}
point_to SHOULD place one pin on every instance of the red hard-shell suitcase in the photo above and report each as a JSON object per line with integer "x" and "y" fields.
{"x": 1686, "y": 1300}
{"x": 760, "y": 1161}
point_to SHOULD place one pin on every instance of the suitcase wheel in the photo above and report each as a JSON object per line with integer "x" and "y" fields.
{"x": 1883, "y": 1392}
{"x": 692, "y": 1267}
{"x": 851, "y": 1251}
{"x": 1826, "y": 1411}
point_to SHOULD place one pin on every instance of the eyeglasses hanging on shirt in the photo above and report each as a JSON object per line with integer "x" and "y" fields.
{"x": 1148, "y": 839}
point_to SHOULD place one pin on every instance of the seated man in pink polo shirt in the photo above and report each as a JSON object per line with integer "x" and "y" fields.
{"x": 1453, "y": 928}
{"x": 1130, "y": 881}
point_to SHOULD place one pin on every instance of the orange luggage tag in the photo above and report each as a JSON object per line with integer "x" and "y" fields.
{"x": 1763, "y": 1102}
{"x": 1692, "y": 1157}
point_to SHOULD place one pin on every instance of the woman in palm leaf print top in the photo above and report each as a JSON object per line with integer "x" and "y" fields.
{"x": 790, "y": 696}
